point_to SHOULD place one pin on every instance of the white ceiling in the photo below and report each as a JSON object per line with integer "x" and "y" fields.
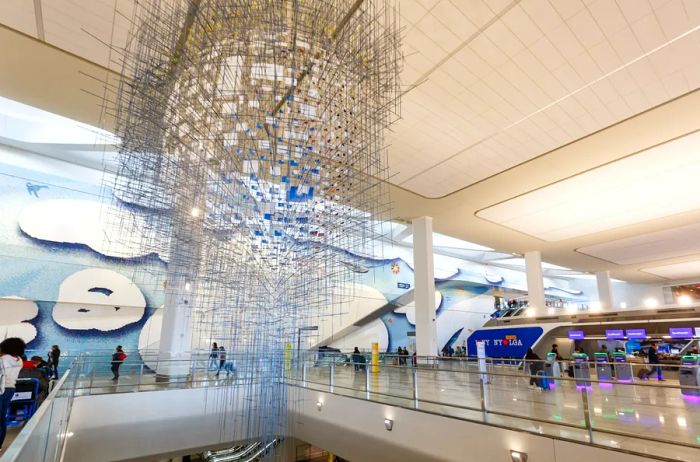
{"x": 494, "y": 84}
{"x": 503, "y": 98}
{"x": 685, "y": 270}
{"x": 81, "y": 27}
{"x": 659, "y": 245}
{"x": 645, "y": 186}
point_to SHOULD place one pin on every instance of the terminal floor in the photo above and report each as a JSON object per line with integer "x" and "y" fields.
{"x": 639, "y": 411}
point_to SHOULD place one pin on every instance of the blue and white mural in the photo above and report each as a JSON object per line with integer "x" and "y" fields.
{"x": 62, "y": 283}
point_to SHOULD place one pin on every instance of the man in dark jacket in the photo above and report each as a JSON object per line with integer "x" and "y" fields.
{"x": 654, "y": 362}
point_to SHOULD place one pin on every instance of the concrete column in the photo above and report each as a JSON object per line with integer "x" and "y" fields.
{"x": 535, "y": 282}
{"x": 424, "y": 287}
{"x": 605, "y": 294}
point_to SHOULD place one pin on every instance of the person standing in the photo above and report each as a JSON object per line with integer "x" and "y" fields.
{"x": 655, "y": 363}
{"x": 11, "y": 351}
{"x": 118, "y": 358}
{"x": 54, "y": 358}
{"x": 533, "y": 364}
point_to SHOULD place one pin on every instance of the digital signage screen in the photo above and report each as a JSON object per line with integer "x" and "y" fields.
{"x": 681, "y": 332}
{"x": 636, "y": 333}
{"x": 577, "y": 335}
{"x": 615, "y": 334}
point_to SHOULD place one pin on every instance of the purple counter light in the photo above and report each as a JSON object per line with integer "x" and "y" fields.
{"x": 681, "y": 332}
{"x": 615, "y": 334}
{"x": 577, "y": 335}
{"x": 636, "y": 333}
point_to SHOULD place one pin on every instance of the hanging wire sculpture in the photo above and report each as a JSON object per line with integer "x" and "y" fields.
{"x": 252, "y": 161}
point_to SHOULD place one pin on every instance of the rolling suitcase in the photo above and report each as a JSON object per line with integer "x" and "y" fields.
{"x": 542, "y": 380}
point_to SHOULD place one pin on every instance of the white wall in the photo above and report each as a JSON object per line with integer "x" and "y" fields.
{"x": 127, "y": 426}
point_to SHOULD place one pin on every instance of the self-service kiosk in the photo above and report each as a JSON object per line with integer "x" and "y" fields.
{"x": 603, "y": 367}
{"x": 552, "y": 369}
{"x": 689, "y": 375}
{"x": 623, "y": 369}
{"x": 582, "y": 372}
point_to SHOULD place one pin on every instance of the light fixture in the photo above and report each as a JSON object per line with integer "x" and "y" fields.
{"x": 651, "y": 302}
{"x": 596, "y": 306}
{"x": 388, "y": 424}
{"x": 623, "y": 305}
{"x": 195, "y": 212}
{"x": 188, "y": 286}
{"x": 684, "y": 300}
{"x": 319, "y": 405}
{"x": 517, "y": 456}
{"x": 530, "y": 312}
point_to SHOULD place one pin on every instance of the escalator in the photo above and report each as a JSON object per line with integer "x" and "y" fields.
{"x": 250, "y": 452}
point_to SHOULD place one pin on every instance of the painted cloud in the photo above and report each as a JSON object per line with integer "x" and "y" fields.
{"x": 98, "y": 299}
{"x": 410, "y": 308}
{"x": 75, "y": 221}
{"x": 14, "y": 311}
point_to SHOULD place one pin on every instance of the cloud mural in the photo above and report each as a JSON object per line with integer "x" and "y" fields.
{"x": 14, "y": 312}
{"x": 78, "y": 221}
{"x": 410, "y": 308}
{"x": 99, "y": 299}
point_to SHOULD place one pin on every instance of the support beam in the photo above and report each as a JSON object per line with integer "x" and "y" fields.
{"x": 424, "y": 274}
{"x": 605, "y": 293}
{"x": 535, "y": 282}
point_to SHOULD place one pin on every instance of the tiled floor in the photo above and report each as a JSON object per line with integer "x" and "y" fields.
{"x": 640, "y": 412}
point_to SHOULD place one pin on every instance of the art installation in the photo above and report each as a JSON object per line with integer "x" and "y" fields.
{"x": 251, "y": 155}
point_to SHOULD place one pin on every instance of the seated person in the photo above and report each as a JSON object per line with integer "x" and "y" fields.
{"x": 35, "y": 373}
{"x": 42, "y": 365}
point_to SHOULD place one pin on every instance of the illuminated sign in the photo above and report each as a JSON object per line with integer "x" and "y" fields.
{"x": 681, "y": 332}
{"x": 615, "y": 334}
{"x": 636, "y": 333}
{"x": 577, "y": 335}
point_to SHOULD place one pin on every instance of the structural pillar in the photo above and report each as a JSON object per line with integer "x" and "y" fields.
{"x": 535, "y": 282}
{"x": 605, "y": 294}
{"x": 424, "y": 287}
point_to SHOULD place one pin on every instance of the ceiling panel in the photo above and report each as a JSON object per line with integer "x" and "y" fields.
{"x": 19, "y": 14}
{"x": 670, "y": 243}
{"x": 652, "y": 184}
{"x": 685, "y": 270}
{"x": 541, "y": 74}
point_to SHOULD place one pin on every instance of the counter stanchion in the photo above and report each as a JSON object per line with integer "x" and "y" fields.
{"x": 623, "y": 369}
{"x": 582, "y": 372}
{"x": 689, "y": 376}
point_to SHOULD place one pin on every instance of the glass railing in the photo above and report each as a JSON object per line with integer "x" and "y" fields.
{"x": 45, "y": 434}
{"x": 644, "y": 416}
{"x": 614, "y": 408}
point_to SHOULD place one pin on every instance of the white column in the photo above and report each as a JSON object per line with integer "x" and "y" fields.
{"x": 535, "y": 282}
{"x": 424, "y": 287}
{"x": 605, "y": 294}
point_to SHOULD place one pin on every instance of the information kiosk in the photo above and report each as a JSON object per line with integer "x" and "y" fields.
{"x": 623, "y": 369}
{"x": 689, "y": 375}
{"x": 551, "y": 366}
{"x": 582, "y": 372}
{"x": 602, "y": 366}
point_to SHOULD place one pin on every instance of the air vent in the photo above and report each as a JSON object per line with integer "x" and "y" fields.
{"x": 548, "y": 318}
{"x": 675, "y": 310}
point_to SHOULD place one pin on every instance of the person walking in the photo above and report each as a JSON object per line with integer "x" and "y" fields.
{"x": 54, "y": 358}
{"x": 213, "y": 355}
{"x": 534, "y": 365}
{"x": 222, "y": 359}
{"x": 11, "y": 351}
{"x": 118, "y": 358}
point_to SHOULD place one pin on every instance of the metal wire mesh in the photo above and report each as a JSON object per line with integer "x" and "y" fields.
{"x": 252, "y": 160}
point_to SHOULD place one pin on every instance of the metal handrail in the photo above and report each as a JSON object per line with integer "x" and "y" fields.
{"x": 483, "y": 379}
